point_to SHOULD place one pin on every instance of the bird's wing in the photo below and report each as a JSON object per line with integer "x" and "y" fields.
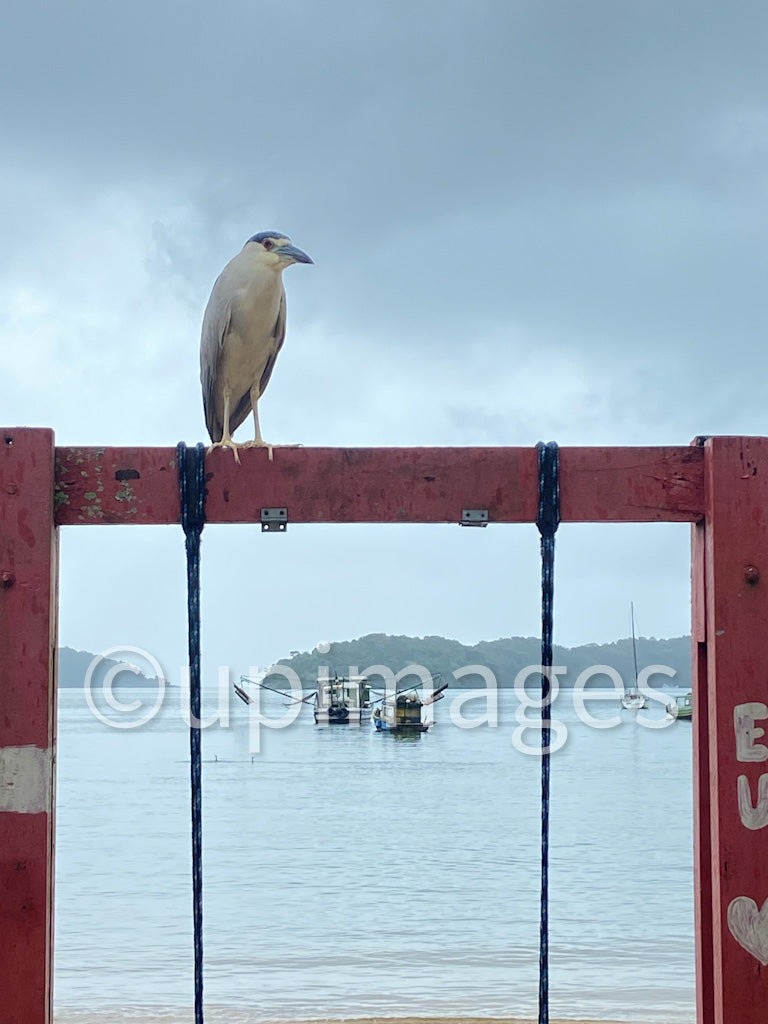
{"x": 278, "y": 334}
{"x": 216, "y": 321}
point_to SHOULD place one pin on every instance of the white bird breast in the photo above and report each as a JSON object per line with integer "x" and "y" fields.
{"x": 254, "y": 294}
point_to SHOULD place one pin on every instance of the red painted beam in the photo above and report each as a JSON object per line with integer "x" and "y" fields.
{"x": 381, "y": 485}
{"x": 732, "y": 730}
{"x": 28, "y": 592}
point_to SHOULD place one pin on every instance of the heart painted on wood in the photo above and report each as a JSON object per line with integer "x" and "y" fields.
{"x": 749, "y": 926}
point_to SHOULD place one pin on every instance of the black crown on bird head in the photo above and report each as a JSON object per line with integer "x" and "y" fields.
{"x": 265, "y": 234}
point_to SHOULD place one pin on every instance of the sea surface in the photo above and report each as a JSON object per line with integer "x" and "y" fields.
{"x": 353, "y": 873}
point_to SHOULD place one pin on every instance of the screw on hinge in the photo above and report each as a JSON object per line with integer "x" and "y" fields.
{"x": 474, "y": 517}
{"x": 274, "y": 520}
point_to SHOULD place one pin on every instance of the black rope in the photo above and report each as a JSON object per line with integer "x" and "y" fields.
{"x": 547, "y": 520}
{"x": 191, "y": 465}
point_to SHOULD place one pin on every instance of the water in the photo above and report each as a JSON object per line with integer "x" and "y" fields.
{"x": 353, "y": 873}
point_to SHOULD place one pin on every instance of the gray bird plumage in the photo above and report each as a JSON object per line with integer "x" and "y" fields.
{"x": 243, "y": 331}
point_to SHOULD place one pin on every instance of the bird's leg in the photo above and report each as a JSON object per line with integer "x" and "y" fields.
{"x": 257, "y": 438}
{"x": 258, "y": 441}
{"x": 226, "y": 438}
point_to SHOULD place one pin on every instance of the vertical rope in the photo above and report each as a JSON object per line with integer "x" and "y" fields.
{"x": 191, "y": 466}
{"x": 547, "y": 520}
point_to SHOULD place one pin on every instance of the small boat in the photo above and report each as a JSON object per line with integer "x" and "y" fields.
{"x": 632, "y": 699}
{"x": 343, "y": 700}
{"x": 401, "y": 711}
{"x": 681, "y": 707}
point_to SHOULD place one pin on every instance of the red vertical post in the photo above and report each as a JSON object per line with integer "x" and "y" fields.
{"x": 732, "y": 733}
{"x": 28, "y": 622}
{"x": 702, "y": 842}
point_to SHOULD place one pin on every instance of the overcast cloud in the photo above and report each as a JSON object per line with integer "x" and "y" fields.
{"x": 529, "y": 220}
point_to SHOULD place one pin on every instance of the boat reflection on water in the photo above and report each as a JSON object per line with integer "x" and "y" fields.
{"x": 407, "y": 735}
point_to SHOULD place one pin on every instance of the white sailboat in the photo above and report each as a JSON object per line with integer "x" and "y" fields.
{"x": 633, "y": 699}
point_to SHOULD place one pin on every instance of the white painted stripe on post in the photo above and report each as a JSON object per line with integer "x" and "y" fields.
{"x": 25, "y": 779}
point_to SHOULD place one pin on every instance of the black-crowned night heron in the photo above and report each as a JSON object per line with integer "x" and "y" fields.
{"x": 243, "y": 330}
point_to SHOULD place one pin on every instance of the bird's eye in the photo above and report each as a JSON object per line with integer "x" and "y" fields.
{"x": 267, "y": 243}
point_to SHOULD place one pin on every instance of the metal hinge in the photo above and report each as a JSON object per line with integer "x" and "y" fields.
{"x": 474, "y": 517}
{"x": 274, "y": 520}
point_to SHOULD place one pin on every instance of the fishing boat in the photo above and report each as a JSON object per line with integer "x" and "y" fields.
{"x": 343, "y": 700}
{"x": 632, "y": 699}
{"x": 681, "y": 707}
{"x": 401, "y": 711}
{"x": 242, "y": 689}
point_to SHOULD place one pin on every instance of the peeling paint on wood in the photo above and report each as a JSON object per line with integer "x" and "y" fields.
{"x": 379, "y": 485}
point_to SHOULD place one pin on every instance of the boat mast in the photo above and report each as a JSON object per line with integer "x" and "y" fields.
{"x": 634, "y": 644}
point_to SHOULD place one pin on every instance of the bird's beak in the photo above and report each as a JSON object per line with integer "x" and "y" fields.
{"x": 294, "y": 254}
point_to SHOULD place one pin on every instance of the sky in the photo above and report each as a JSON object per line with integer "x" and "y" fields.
{"x": 529, "y": 220}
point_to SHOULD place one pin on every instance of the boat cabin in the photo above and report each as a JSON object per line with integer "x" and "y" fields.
{"x": 342, "y": 700}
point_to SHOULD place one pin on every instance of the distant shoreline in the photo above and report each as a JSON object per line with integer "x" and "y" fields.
{"x": 470, "y": 665}
{"x": 130, "y": 683}
{"x": 152, "y": 684}
{"x": 231, "y": 1015}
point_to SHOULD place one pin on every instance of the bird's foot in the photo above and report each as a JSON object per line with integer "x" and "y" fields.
{"x": 227, "y": 442}
{"x": 257, "y": 442}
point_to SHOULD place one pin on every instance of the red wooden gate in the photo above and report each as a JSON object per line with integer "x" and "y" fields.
{"x": 720, "y": 485}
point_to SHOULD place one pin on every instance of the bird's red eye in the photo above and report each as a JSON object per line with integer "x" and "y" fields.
{"x": 268, "y": 243}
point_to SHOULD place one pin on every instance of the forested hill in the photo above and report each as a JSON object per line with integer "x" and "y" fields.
{"x": 505, "y": 658}
{"x": 73, "y": 668}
